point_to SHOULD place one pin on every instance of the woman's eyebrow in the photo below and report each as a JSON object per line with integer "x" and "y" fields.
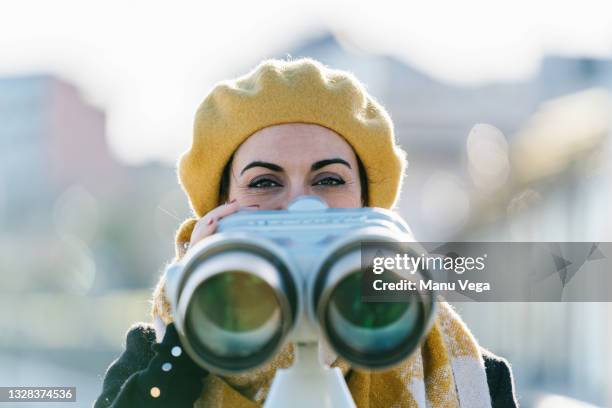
{"x": 271, "y": 166}
{"x": 327, "y": 162}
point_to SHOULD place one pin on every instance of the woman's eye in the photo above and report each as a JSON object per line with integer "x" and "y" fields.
{"x": 263, "y": 183}
{"x": 329, "y": 181}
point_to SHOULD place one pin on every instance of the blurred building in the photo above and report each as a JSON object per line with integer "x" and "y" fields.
{"x": 50, "y": 139}
{"x": 64, "y": 196}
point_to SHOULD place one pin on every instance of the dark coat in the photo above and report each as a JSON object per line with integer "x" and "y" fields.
{"x": 144, "y": 365}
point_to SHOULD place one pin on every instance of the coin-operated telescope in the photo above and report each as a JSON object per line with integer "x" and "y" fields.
{"x": 267, "y": 277}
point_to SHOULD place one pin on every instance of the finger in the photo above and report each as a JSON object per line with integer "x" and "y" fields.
{"x": 207, "y": 225}
{"x": 224, "y": 210}
{"x": 202, "y": 230}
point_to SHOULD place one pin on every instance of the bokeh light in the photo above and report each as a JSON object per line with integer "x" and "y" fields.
{"x": 487, "y": 152}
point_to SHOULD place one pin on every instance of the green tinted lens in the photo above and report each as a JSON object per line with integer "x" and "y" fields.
{"x": 374, "y": 327}
{"x": 234, "y": 314}
{"x": 346, "y": 297}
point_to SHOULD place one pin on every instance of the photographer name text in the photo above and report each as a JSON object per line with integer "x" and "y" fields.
{"x": 422, "y": 285}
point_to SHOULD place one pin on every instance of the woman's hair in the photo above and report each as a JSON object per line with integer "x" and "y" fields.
{"x": 226, "y": 176}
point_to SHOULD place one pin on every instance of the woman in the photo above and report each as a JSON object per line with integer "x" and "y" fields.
{"x": 287, "y": 129}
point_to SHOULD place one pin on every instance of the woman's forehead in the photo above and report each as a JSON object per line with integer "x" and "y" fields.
{"x": 292, "y": 143}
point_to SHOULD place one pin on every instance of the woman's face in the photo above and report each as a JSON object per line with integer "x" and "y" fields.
{"x": 281, "y": 162}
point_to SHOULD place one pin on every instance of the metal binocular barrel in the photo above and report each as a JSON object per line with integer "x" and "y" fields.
{"x": 236, "y": 307}
{"x": 371, "y": 335}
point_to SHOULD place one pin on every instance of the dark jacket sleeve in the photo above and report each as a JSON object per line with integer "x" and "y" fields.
{"x": 500, "y": 381}
{"x": 150, "y": 374}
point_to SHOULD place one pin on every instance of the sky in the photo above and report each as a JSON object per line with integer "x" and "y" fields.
{"x": 149, "y": 64}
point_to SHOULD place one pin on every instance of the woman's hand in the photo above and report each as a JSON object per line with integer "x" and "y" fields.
{"x": 207, "y": 225}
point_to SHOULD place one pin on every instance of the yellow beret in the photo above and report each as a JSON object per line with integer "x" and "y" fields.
{"x": 277, "y": 92}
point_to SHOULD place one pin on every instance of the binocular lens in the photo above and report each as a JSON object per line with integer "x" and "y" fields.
{"x": 234, "y": 314}
{"x": 235, "y": 308}
{"x": 372, "y": 333}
